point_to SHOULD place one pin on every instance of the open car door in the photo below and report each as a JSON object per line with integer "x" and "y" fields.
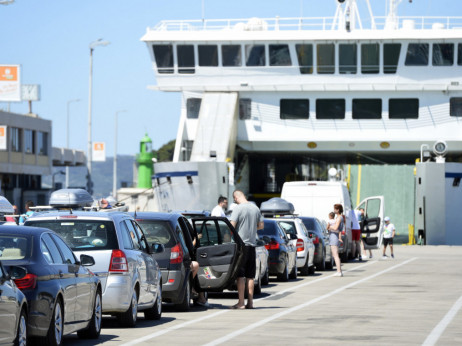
{"x": 372, "y": 224}
{"x": 219, "y": 252}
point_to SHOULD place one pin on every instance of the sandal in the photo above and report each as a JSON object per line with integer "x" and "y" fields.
{"x": 237, "y": 307}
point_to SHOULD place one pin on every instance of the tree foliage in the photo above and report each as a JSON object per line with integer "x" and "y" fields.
{"x": 165, "y": 152}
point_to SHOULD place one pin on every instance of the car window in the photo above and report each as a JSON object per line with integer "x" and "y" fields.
{"x": 126, "y": 238}
{"x": 53, "y": 251}
{"x": 270, "y": 229}
{"x": 207, "y": 233}
{"x": 182, "y": 241}
{"x": 68, "y": 255}
{"x": 309, "y": 224}
{"x": 226, "y": 234}
{"x": 288, "y": 227}
{"x": 46, "y": 252}
{"x": 13, "y": 247}
{"x": 140, "y": 234}
{"x": 282, "y": 234}
{"x": 2, "y": 273}
{"x": 133, "y": 235}
{"x": 88, "y": 235}
{"x": 158, "y": 231}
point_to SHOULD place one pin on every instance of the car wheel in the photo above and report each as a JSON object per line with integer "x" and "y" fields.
{"x": 21, "y": 334}
{"x": 185, "y": 304}
{"x": 305, "y": 270}
{"x": 128, "y": 318}
{"x": 322, "y": 265}
{"x": 265, "y": 279}
{"x": 284, "y": 276}
{"x": 94, "y": 328}
{"x": 155, "y": 312}
{"x": 54, "y": 336}
{"x": 294, "y": 273}
{"x": 257, "y": 285}
{"x": 330, "y": 264}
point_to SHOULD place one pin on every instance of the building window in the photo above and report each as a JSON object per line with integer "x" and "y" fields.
{"x": 459, "y": 54}
{"x": 255, "y": 55}
{"x": 164, "y": 58}
{"x": 208, "y": 55}
{"x": 279, "y": 55}
{"x": 231, "y": 55}
{"x": 29, "y": 141}
{"x": 326, "y": 58}
{"x": 305, "y": 58}
{"x": 403, "y": 108}
{"x": 417, "y": 54}
{"x": 330, "y": 109}
{"x": 193, "y": 106}
{"x": 443, "y": 54}
{"x": 42, "y": 142}
{"x": 370, "y": 54}
{"x": 455, "y": 106}
{"x": 294, "y": 109}
{"x": 15, "y": 139}
{"x": 245, "y": 109}
{"x": 391, "y": 53}
{"x": 367, "y": 108}
{"x": 347, "y": 57}
{"x": 185, "y": 55}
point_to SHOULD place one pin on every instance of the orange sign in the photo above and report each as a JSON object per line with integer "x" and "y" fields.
{"x": 3, "y": 137}
{"x": 98, "y": 146}
{"x": 99, "y": 151}
{"x": 9, "y": 73}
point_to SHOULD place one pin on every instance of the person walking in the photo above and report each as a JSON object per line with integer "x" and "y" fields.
{"x": 388, "y": 235}
{"x": 246, "y": 219}
{"x": 355, "y": 235}
{"x": 335, "y": 236}
{"x": 219, "y": 209}
{"x": 360, "y": 216}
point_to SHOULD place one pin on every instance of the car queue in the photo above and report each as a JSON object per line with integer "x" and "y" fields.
{"x": 121, "y": 263}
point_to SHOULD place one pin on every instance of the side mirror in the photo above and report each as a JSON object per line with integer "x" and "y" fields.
{"x": 16, "y": 272}
{"x": 86, "y": 260}
{"x": 157, "y": 248}
{"x": 310, "y": 235}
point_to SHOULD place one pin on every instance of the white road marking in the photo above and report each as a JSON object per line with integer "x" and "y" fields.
{"x": 181, "y": 325}
{"x": 298, "y": 307}
{"x": 439, "y": 329}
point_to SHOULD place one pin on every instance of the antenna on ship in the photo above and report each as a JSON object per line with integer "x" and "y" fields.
{"x": 392, "y": 17}
{"x": 347, "y": 16}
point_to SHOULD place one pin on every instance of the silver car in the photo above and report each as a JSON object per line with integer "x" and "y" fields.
{"x": 130, "y": 277}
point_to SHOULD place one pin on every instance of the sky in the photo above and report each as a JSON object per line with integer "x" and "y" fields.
{"x": 50, "y": 40}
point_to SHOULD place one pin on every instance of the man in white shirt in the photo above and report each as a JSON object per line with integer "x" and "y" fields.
{"x": 388, "y": 235}
{"x": 219, "y": 210}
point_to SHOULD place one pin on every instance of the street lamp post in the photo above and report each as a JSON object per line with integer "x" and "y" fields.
{"x": 114, "y": 177}
{"x": 53, "y": 179}
{"x": 92, "y": 46}
{"x": 67, "y": 138}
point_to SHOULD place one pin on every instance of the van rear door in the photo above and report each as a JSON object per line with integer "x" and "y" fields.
{"x": 372, "y": 224}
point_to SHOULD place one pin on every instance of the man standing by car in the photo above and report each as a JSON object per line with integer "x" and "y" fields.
{"x": 388, "y": 235}
{"x": 221, "y": 207}
{"x": 246, "y": 219}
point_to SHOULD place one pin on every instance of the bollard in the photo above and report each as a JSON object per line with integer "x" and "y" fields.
{"x": 411, "y": 235}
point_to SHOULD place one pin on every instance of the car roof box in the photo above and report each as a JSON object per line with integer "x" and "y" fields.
{"x": 5, "y": 206}
{"x": 277, "y": 206}
{"x": 71, "y": 198}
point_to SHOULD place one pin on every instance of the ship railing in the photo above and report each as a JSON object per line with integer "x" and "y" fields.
{"x": 308, "y": 23}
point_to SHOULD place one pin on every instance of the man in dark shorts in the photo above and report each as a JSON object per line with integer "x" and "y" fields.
{"x": 388, "y": 235}
{"x": 246, "y": 219}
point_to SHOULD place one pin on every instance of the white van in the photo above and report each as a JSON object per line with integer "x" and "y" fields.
{"x": 317, "y": 199}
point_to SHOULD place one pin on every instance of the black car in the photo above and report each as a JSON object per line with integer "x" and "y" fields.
{"x": 282, "y": 259}
{"x": 13, "y": 309}
{"x": 171, "y": 230}
{"x": 322, "y": 255}
{"x": 63, "y": 296}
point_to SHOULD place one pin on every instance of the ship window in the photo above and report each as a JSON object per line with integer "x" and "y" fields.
{"x": 208, "y": 55}
{"x": 42, "y": 142}
{"x": 185, "y": 54}
{"x": 29, "y": 138}
{"x": 330, "y": 109}
{"x": 294, "y": 109}
{"x": 391, "y": 53}
{"x": 443, "y": 54}
{"x": 370, "y": 58}
{"x": 279, "y": 55}
{"x": 193, "y": 106}
{"x": 255, "y": 55}
{"x": 347, "y": 58}
{"x": 326, "y": 58}
{"x": 455, "y": 106}
{"x": 164, "y": 58}
{"x": 231, "y": 55}
{"x": 16, "y": 139}
{"x": 417, "y": 54}
{"x": 459, "y": 54}
{"x": 305, "y": 58}
{"x": 245, "y": 109}
{"x": 403, "y": 108}
{"x": 367, "y": 108}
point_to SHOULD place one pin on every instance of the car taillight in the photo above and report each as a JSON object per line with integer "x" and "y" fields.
{"x": 118, "y": 262}
{"x": 273, "y": 245}
{"x": 316, "y": 240}
{"x": 300, "y": 245}
{"x": 176, "y": 256}
{"x": 27, "y": 282}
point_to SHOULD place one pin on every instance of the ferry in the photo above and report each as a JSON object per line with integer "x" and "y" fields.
{"x": 269, "y": 100}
